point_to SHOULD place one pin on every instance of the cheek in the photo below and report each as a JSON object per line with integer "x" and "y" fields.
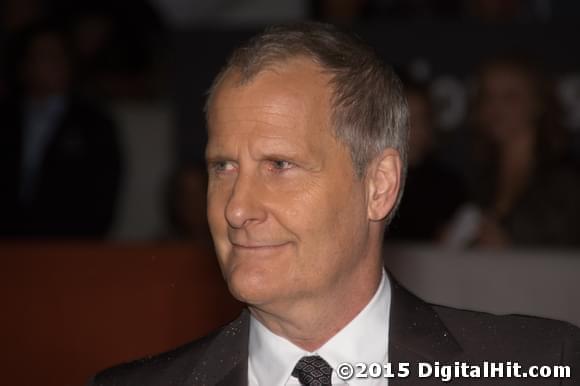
{"x": 216, "y": 202}
{"x": 324, "y": 215}
{"x": 300, "y": 203}
{"x": 349, "y": 221}
{"x": 218, "y": 228}
{"x": 213, "y": 205}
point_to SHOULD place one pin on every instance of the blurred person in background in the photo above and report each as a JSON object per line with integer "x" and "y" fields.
{"x": 520, "y": 176}
{"x": 434, "y": 193}
{"x": 61, "y": 159}
{"x": 117, "y": 58}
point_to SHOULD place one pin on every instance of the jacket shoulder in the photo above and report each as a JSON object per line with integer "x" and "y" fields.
{"x": 487, "y": 336}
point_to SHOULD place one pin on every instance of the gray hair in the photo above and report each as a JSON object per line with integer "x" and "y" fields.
{"x": 369, "y": 110}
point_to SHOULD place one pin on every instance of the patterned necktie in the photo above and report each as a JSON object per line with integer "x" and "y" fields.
{"x": 313, "y": 371}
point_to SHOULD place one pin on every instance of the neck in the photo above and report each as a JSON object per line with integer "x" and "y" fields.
{"x": 311, "y": 323}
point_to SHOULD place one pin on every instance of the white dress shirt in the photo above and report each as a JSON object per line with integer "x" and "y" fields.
{"x": 364, "y": 339}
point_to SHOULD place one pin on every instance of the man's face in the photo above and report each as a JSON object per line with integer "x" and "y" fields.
{"x": 286, "y": 211}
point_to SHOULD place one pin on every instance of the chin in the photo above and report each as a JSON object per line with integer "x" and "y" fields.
{"x": 253, "y": 285}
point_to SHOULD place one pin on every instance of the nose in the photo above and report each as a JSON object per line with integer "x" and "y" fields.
{"x": 245, "y": 205}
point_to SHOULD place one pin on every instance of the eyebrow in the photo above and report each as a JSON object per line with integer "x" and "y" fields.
{"x": 267, "y": 147}
{"x": 274, "y": 155}
{"x": 215, "y": 157}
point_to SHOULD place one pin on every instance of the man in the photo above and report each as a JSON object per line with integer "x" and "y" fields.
{"x": 306, "y": 158}
{"x": 62, "y": 161}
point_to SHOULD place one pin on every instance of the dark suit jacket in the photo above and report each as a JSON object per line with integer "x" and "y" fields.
{"x": 79, "y": 177}
{"x": 418, "y": 332}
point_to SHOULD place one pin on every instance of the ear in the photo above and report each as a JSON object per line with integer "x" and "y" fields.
{"x": 383, "y": 181}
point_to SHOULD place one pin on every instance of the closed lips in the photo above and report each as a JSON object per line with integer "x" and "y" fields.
{"x": 258, "y": 245}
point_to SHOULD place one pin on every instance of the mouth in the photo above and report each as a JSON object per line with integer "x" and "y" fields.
{"x": 258, "y": 246}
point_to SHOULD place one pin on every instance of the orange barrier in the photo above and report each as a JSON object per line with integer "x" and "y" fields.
{"x": 71, "y": 309}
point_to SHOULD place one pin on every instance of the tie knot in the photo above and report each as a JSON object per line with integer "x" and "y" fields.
{"x": 313, "y": 371}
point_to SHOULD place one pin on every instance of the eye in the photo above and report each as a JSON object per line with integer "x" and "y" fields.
{"x": 280, "y": 165}
{"x": 221, "y": 166}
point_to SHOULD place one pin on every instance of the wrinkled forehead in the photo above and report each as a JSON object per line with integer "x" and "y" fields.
{"x": 297, "y": 90}
{"x": 286, "y": 108}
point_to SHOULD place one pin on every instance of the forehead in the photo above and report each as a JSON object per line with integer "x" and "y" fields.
{"x": 289, "y": 95}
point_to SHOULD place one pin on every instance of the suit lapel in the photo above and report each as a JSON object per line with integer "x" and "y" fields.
{"x": 238, "y": 376}
{"x": 225, "y": 361}
{"x": 416, "y": 334}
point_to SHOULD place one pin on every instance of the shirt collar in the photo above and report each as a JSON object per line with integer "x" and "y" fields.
{"x": 364, "y": 339}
